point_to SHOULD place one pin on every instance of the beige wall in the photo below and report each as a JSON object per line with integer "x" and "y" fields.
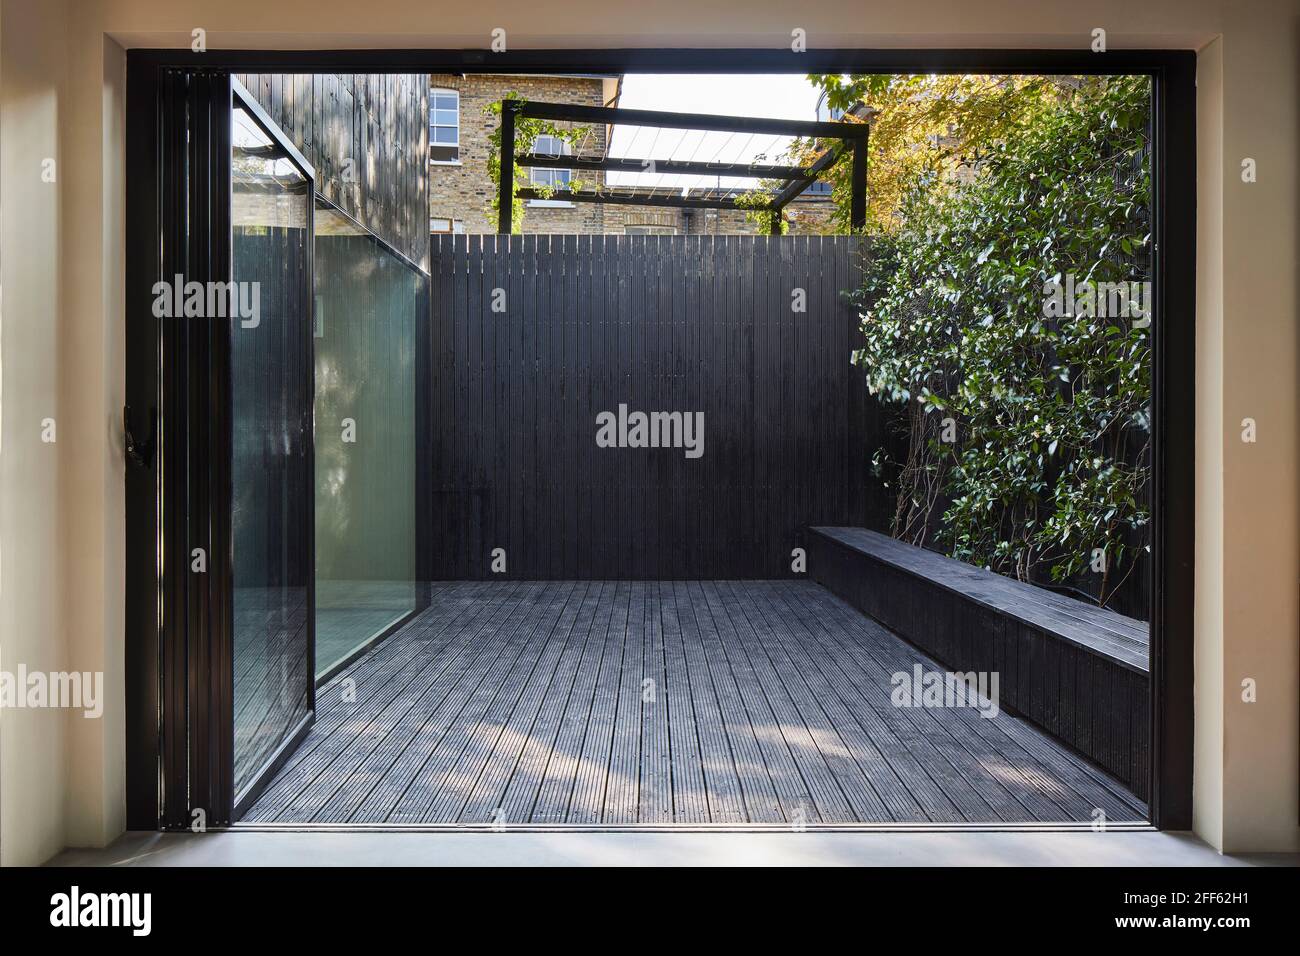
{"x": 61, "y": 337}
{"x": 62, "y": 778}
{"x": 33, "y": 746}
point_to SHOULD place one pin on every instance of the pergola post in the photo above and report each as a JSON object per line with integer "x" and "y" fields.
{"x": 506, "y": 195}
{"x": 858, "y": 195}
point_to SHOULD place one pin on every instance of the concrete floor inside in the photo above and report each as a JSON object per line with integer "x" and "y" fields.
{"x": 321, "y": 848}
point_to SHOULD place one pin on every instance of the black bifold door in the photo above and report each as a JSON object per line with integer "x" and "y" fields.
{"x": 230, "y": 331}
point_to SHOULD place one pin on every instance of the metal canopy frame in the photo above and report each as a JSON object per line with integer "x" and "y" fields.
{"x": 852, "y": 140}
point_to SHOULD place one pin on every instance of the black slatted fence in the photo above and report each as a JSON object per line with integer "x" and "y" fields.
{"x": 534, "y": 336}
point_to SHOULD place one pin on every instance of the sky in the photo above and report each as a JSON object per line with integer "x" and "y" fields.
{"x": 783, "y": 96}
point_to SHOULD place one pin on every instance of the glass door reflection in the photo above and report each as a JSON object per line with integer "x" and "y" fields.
{"x": 271, "y": 445}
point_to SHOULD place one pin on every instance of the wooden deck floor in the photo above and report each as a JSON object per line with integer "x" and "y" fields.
{"x": 662, "y": 702}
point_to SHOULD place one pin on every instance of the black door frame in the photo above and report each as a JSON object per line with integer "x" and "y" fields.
{"x": 152, "y": 769}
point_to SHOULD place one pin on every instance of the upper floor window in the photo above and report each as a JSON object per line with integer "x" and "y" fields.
{"x": 444, "y": 125}
{"x": 551, "y": 146}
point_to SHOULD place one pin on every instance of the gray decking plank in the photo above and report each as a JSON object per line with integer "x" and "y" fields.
{"x": 622, "y": 793}
{"x": 341, "y": 722}
{"x": 792, "y": 790}
{"x": 377, "y": 764}
{"x": 556, "y": 790}
{"x": 525, "y": 783}
{"x": 406, "y": 790}
{"x": 486, "y": 798}
{"x": 842, "y": 789}
{"x": 656, "y": 788}
{"x": 690, "y": 799}
{"x": 369, "y": 760}
{"x": 790, "y": 656}
{"x": 410, "y": 749}
{"x": 966, "y": 782}
{"x": 721, "y": 781}
{"x": 455, "y": 765}
{"x": 492, "y": 748}
{"x": 588, "y": 799}
{"x": 920, "y": 785}
{"x": 762, "y": 805}
{"x": 372, "y": 675}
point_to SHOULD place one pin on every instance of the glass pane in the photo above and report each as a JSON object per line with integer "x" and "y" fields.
{"x": 445, "y": 134}
{"x": 445, "y": 117}
{"x": 446, "y": 101}
{"x": 271, "y": 383}
{"x": 368, "y": 305}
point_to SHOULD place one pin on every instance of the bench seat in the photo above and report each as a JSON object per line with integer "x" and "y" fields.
{"x": 1079, "y": 672}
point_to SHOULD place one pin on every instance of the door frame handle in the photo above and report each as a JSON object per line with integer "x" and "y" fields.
{"x": 140, "y": 452}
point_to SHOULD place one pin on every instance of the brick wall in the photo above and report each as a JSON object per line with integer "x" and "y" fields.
{"x": 465, "y": 191}
{"x": 810, "y": 216}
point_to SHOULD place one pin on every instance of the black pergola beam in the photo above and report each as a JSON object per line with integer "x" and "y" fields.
{"x": 857, "y": 182}
{"x": 635, "y": 199}
{"x": 852, "y": 138}
{"x": 617, "y": 116}
{"x": 824, "y": 162}
{"x": 625, "y": 165}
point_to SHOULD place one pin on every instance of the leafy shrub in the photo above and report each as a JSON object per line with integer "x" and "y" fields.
{"x": 1050, "y": 462}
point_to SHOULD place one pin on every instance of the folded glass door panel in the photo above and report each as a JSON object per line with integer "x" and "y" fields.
{"x": 271, "y": 457}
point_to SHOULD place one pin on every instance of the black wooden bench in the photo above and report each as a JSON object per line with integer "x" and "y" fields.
{"x": 1079, "y": 672}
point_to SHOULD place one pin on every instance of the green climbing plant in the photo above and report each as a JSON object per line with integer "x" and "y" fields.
{"x": 1027, "y": 413}
{"x": 527, "y": 132}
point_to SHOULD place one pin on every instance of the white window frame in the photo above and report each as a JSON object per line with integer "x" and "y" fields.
{"x": 434, "y": 93}
{"x": 560, "y": 148}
